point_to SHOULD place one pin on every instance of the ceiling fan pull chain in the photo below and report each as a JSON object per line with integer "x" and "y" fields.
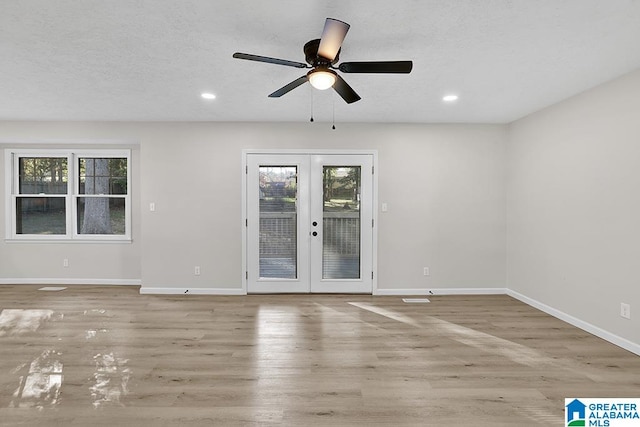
{"x": 311, "y": 90}
{"x": 333, "y": 125}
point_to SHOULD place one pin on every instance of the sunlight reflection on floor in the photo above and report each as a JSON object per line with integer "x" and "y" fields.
{"x": 386, "y": 313}
{"x": 18, "y": 321}
{"x": 40, "y": 386}
{"x": 110, "y": 380}
{"x": 515, "y": 352}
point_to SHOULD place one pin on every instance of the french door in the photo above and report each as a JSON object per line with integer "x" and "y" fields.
{"x": 309, "y": 223}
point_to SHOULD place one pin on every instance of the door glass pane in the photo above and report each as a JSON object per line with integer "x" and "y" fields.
{"x": 278, "y": 222}
{"x": 341, "y": 222}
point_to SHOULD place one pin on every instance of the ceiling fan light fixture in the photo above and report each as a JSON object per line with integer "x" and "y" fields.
{"x": 322, "y": 79}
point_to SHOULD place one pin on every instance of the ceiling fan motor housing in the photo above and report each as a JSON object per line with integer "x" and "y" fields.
{"x": 311, "y": 54}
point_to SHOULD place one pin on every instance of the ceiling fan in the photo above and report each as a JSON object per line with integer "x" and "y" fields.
{"x": 322, "y": 55}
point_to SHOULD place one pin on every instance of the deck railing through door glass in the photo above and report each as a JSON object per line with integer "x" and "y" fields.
{"x": 278, "y": 221}
{"x": 341, "y": 222}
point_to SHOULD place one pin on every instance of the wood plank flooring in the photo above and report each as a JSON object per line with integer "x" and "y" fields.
{"x": 93, "y": 355}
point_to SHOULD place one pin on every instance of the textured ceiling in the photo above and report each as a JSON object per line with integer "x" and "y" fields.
{"x": 151, "y": 59}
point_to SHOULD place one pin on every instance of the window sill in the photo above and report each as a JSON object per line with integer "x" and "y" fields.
{"x": 72, "y": 241}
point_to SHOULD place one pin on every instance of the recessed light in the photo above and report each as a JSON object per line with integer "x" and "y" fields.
{"x": 450, "y": 98}
{"x": 207, "y": 95}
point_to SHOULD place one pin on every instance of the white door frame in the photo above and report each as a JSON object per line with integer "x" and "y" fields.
{"x": 243, "y": 219}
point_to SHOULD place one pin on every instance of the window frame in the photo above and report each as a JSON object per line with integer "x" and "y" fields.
{"x": 73, "y": 156}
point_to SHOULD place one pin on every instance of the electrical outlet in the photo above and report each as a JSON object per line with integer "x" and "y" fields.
{"x": 196, "y": 270}
{"x": 625, "y": 310}
{"x": 65, "y": 262}
{"x": 426, "y": 271}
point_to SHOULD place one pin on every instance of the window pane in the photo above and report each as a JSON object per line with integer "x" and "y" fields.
{"x": 102, "y": 175}
{"x": 42, "y": 175}
{"x": 40, "y": 215}
{"x": 341, "y": 223}
{"x": 101, "y": 215}
{"x": 278, "y": 222}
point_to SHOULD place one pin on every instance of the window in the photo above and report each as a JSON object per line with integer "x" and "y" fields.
{"x": 68, "y": 195}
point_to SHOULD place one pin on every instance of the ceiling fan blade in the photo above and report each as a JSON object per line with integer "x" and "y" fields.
{"x": 269, "y": 60}
{"x": 345, "y": 91}
{"x": 287, "y": 88}
{"x": 403, "y": 67}
{"x": 332, "y": 37}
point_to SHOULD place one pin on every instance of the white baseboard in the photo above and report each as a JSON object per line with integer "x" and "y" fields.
{"x": 146, "y": 290}
{"x": 48, "y": 281}
{"x": 440, "y": 291}
{"x": 585, "y": 326}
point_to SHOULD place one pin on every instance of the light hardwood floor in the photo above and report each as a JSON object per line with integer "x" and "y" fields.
{"x": 91, "y": 356}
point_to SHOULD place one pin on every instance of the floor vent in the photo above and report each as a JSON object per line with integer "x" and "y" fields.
{"x": 416, "y": 300}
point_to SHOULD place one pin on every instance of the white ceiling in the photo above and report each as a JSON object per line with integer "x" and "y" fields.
{"x": 151, "y": 59}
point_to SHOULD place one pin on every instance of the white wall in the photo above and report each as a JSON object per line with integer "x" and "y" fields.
{"x": 444, "y": 186}
{"x": 573, "y": 206}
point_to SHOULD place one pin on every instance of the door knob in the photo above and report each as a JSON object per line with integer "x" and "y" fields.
{"x": 315, "y": 233}
{"x": 314, "y": 223}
